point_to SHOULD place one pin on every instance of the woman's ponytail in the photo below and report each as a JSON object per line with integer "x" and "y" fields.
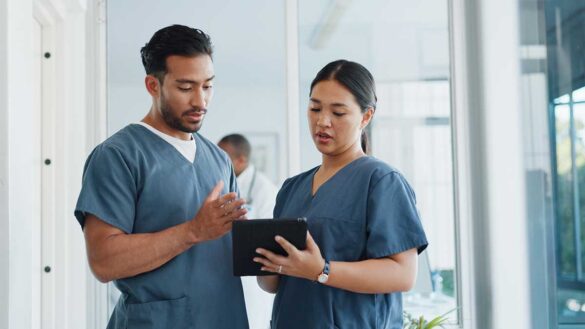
{"x": 365, "y": 142}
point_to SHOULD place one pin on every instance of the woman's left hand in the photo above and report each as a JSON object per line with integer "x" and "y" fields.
{"x": 307, "y": 264}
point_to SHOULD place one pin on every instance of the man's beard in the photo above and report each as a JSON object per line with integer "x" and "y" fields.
{"x": 175, "y": 122}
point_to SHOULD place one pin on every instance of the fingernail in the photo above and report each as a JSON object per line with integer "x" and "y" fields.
{"x": 258, "y": 250}
{"x": 277, "y": 238}
{"x": 256, "y": 260}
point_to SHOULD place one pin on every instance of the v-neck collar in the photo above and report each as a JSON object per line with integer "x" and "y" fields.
{"x": 339, "y": 172}
{"x": 174, "y": 150}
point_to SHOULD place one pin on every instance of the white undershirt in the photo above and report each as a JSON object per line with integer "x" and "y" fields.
{"x": 186, "y": 148}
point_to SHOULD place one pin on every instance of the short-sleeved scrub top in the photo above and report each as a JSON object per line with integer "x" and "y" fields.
{"x": 366, "y": 210}
{"x": 140, "y": 183}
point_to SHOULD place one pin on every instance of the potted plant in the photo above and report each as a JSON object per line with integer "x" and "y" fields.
{"x": 410, "y": 322}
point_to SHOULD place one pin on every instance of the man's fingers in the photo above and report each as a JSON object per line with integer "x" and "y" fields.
{"x": 234, "y": 205}
{"x": 214, "y": 194}
{"x": 238, "y": 214}
{"x": 226, "y": 199}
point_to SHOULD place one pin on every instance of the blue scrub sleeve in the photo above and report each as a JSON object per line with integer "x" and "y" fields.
{"x": 108, "y": 189}
{"x": 393, "y": 223}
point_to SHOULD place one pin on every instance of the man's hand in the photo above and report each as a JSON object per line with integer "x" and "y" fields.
{"x": 113, "y": 254}
{"x": 216, "y": 215}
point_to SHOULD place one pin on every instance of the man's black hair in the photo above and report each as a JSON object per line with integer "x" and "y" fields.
{"x": 173, "y": 40}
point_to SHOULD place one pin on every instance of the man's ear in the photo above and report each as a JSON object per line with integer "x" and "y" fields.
{"x": 367, "y": 117}
{"x": 152, "y": 85}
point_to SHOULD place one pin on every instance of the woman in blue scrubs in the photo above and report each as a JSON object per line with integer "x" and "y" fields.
{"x": 364, "y": 229}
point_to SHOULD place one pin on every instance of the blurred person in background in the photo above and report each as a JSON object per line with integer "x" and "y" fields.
{"x": 260, "y": 195}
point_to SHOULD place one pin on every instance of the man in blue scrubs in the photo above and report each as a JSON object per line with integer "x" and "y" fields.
{"x": 158, "y": 200}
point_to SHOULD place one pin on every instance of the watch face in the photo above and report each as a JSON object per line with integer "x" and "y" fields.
{"x": 323, "y": 278}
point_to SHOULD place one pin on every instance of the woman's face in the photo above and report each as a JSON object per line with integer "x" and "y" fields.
{"x": 335, "y": 118}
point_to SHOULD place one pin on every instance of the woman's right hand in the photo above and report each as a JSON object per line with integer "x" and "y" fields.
{"x": 305, "y": 264}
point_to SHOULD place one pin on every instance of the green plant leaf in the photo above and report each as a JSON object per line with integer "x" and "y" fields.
{"x": 436, "y": 322}
{"x": 410, "y": 322}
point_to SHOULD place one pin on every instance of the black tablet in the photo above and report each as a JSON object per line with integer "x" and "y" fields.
{"x": 248, "y": 235}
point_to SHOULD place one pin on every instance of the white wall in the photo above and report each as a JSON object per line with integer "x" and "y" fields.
{"x": 64, "y": 142}
{"x": 508, "y": 243}
{"x": 70, "y": 152}
{"x": 491, "y": 183}
{"x": 4, "y": 201}
{"x": 21, "y": 267}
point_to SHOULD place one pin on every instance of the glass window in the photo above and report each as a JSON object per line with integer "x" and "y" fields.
{"x": 562, "y": 100}
{"x": 564, "y": 23}
{"x": 570, "y": 210}
{"x": 564, "y": 188}
{"x": 406, "y": 47}
{"x": 554, "y": 83}
{"x": 579, "y": 95}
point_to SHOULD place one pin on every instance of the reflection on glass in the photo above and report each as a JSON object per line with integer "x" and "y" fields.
{"x": 562, "y": 100}
{"x": 564, "y": 190}
{"x": 579, "y": 164}
{"x": 579, "y": 95}
{"x": 571, "y": 305}
{"x": 570, "y": 210}
{"x": 554, "y": 125}
{"x": 412, "y": 129}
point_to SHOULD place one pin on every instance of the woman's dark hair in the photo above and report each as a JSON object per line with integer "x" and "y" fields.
{"x": 358, "y": 80}
{"x": 173, "y": 40}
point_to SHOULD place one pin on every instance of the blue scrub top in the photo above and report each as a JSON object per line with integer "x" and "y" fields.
{"x": 367, "y": 210}
{"x": 139, "y": 183}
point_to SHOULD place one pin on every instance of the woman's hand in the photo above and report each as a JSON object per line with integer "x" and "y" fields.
{"x": 306, "y": 264}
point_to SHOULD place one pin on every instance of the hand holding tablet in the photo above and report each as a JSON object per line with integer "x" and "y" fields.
{"x": 248, "y": 235}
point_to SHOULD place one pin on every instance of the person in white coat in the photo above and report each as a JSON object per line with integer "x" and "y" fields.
{"x": 260, "y": 195}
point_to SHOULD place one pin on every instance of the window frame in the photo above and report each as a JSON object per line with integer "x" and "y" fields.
{"x": 560, "y": 282}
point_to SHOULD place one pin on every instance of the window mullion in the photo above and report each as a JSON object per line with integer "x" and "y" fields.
{"x": 576, "y": 210}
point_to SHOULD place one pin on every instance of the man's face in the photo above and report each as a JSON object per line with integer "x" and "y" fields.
{"x": 186, "y": 92}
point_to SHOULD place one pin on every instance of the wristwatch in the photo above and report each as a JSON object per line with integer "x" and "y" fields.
{"x": 324, "y": 276}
